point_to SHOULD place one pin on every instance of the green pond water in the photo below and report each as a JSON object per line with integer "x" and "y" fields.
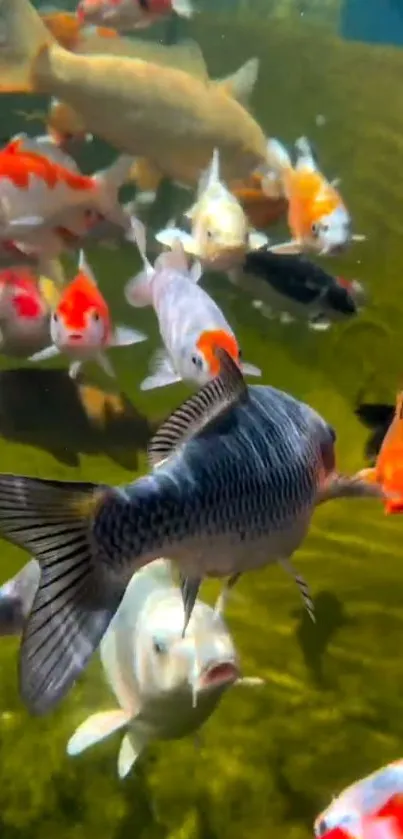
{"x": 331, "y": 709}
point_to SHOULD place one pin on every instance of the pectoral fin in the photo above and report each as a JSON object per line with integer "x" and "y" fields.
{"x": 44, "y": 355}
{"x": 96, "y": 728}
{"x": 250, "y": 681}
{"x": 124, "y": 336}
{"x": 293, "y": 246}
{"x": 250, "y": 369}
{"x": 163, "y": 372}
{"x": 168, "y": 237}
{"x": 350, "y": 486}
{"x": 106, "y": 365}
{"x": 257, "y": 240}
{"x": 132, "y": 746}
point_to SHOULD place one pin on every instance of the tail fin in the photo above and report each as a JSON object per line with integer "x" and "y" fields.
{"x": 23, "y": 36}
{"x": 72, "y": 607}
{"x": 110, "y": 181}
{"x": 138, "y": 291}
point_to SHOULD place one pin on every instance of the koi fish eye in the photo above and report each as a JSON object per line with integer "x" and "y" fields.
{"x": 197, "y": 361}
{"x": 321, "y": 828}
{"x": 95, "y": 316}
{"x": 55, "y": 317}
{"x": 159, "y": 647}
{"x": 209, "y": 235}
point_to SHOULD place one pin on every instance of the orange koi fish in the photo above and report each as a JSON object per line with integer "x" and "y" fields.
{"x": 260, "y": 208}
{"x": 37, "y": 193}
{"x": 317, "y": 217}
{"x": 388, "y": 470}
{"x": 66, "y": 27}
{"x": 81, "y": 327}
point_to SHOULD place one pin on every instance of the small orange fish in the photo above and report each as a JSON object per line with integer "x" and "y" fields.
{"x": 261, "y": 209}
{"x": 388, "y": 470}
{"x": 81, "y": 326}
{"x": 66, "y": 27}
{"x": 317, "y": 216}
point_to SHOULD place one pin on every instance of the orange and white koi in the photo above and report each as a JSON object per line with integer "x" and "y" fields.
{"x": 317, "y": 216}
{"x": 190, "y": 323}
{"x": 126, "y": 15}
{"x": 220, "y": 235}
{"x": 354, "y": 813}
{"x": 81, "y": 327}
{"x": 37, "y": 193}
{"x": 388, "y": 469}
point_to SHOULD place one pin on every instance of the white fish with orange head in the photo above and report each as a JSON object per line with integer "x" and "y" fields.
{"x": 166, "y": 685}
{"x": 220, "y": 235}
{"x": 191, "y": 324}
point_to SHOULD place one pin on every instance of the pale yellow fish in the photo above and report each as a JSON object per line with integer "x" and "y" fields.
{"x": 170, "y": 117}
{"x": 220, "y": 235}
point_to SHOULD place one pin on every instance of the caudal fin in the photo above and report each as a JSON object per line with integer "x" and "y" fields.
{"x": 73, "y": 606}
{"x": 23, "y": 36}
{"x": 110, "y": 181}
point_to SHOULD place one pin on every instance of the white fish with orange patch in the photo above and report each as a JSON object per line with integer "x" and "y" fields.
{"x": 190, "y": 322}
{"x": 317, "y": 216}
{"x": 166, "y": 685}
{"x": 220, "y": 235}
{"x": 126, "y": 15}
{"x": 24, "y": 311}
{"x": 81, "y": 327}
{"x": 39, "y": 195}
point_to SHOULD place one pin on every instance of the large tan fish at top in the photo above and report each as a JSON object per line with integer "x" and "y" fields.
{"x": 166, "y": 115}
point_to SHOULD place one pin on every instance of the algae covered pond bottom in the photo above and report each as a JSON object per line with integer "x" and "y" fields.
{"x": 330, "y": 709}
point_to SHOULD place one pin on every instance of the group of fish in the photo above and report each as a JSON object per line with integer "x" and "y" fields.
{"x": 236, "y": 471}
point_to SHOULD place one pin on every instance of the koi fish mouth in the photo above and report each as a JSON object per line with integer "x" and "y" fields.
{"x": 220, "y": 673}
{"x": 75, "y": 337}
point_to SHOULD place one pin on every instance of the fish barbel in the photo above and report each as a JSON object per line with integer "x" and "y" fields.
{"x": 168, "y": 116}
{"x": 236, "y": 475}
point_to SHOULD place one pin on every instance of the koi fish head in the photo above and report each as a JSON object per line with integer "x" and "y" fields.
{"x": 64, "y": 124}
{"x": 338, "y": 817}
{"x": 81, "y": 320}
{"x": 331, "y": 233}
{"x": 222, "y": 233}
{"x": 202, "y": 362}
{"x": 88, "y": 11}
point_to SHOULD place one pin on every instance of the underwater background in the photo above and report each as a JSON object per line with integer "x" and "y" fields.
{"x": 271, "y": 757}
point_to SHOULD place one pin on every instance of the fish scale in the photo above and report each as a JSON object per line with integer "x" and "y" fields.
{"x": 246, "y": 482}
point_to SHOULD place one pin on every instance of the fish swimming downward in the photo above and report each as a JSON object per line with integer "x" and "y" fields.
{"x": 166, "y": 685}
{"x": 317, "y": 216}
{"x": 191, "y": 324}
{"x": 236, "y": 473}
{"x": 163, "y": 114}
{"x": 80, "y": 325}
{"x": 221, "y": 235}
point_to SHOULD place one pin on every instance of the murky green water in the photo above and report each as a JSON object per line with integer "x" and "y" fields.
{"x": 272, "y": 756}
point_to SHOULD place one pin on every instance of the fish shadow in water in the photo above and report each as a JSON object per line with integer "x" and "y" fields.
{"x": 377, "y": 417}
{"x": 299, "y": 807}
{"x": 314, "y": 638}
{"x": 46, "y": 409}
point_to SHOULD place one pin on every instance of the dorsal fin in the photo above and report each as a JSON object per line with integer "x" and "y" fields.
{"x": 196, "y": 413}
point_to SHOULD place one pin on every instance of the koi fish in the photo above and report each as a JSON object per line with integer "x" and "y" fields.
{"x": 261, "y": 209}
{"x": 236, "y": 474}
{"x": 317, "y": 216}
{"x": 167, "y": 116}
{"x": 24, "y": 311}
{"x": 126, "y": 15}
{"x": 379, "y": 795}
{"x": 191, "y": 324}
{"x": 66, "y": 27}
{"x": 292, "y": 287}
{"x": 37, "y": 193}
{"x": 80, "y": 325}
{"x": 220, "y": 235}
{"x": 388, "y": 469}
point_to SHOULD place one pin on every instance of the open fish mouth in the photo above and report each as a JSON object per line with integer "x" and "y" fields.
{"x": 75, "y": 337}
{"x": 219, "y": 673}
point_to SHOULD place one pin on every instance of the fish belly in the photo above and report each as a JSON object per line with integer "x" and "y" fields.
{"x": 166, "y": 115}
